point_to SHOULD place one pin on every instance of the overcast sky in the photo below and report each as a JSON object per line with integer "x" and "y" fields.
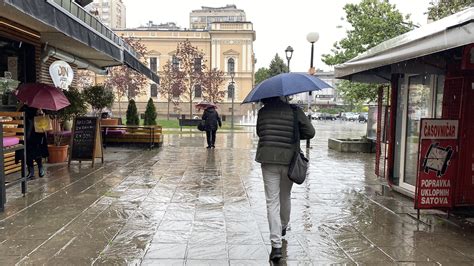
{"x": 277, "y": 23}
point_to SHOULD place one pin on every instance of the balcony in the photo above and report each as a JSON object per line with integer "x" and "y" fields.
{"x": 91, "y": 21}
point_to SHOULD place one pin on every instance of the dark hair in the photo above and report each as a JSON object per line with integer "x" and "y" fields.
{"x": 274, "y": 100}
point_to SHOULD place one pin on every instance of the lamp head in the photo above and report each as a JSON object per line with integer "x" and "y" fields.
{"x": 289, "y": 52}
{"x": 312, "y": 37}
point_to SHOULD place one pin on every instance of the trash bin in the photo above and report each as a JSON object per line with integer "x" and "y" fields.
{"x": 223, "y": 118}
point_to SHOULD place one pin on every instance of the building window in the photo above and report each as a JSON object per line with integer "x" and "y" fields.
{"x": 175, "y": 62}
{"x": 230, "y": 91}
{"x": 153, "y": 64}
{"x": 231, "y": 65}
{"x": 175, "y": 91}
{"x": 153, "y": 90}
{"x": 197, "y": 91}
{"x": 197, "y": 64}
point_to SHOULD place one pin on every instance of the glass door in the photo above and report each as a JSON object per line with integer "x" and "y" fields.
{"x": 419, "y": 105}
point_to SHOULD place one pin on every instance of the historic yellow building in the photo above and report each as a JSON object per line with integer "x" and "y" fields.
{"x": 221, "y": 42}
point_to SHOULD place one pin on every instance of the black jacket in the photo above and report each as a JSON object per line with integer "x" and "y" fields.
{"x": 276, "y": 144}
{"x": 212, "y": 119}
{"x": 36, "y": 143}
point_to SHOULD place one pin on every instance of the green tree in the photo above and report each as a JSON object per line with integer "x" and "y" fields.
{"x": 372, "y": 22}
{"x": 132, "y": 114}
{"x": 261, "y": 75}
{"x": 150, "y": 113}
{"x": 442, "y": 8}
{"x": 277, "y": 66}
{"x": 99, "y": 97}
{"x": 77, "y": 107}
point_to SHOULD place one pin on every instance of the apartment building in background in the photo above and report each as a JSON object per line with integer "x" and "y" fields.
{"x": 112, "y": 13}
{"x": 204, "y": 17}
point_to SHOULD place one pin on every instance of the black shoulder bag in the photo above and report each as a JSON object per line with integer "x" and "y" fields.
{"x": 299, "y": 163}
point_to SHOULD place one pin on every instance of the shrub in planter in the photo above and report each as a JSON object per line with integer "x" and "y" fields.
{"x": 77, "y": 107}
{"x": 150, "y": 113}
{"x": 99, "y": 97}
{"x": 132, "y": 114}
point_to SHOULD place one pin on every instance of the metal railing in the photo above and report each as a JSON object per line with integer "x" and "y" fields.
{"x": 80, "y": 13}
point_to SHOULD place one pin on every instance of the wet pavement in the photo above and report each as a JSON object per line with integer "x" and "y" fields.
{"x": 185, "y": 205}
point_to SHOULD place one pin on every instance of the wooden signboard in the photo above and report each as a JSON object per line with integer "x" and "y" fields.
{"x": 86, "y": 143}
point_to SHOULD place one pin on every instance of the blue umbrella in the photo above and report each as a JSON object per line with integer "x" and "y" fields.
{"x": 285, "y": 84}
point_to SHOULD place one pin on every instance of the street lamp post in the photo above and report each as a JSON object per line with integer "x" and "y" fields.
{"x": 312, "y": 37}
{"x": 231, "y": 88}
{"x": 289, "y": 54}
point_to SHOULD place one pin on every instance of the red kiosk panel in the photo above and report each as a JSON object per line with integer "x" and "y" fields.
{"x": 437, "y": 164}
{"x": 465, "y": 188}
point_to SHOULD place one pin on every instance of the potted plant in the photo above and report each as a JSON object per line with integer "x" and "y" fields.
{"x": 77, "y": 107}
{"x": 7, "y": 85}
{"x": 99, "y": 98}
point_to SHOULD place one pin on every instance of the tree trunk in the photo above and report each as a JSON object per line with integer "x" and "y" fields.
{"x": 120, "y": 107}
{"x": 191, "y": 108}
{"x": 168, "y": 115}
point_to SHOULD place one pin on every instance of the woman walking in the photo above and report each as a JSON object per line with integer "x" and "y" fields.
{"x": 212, "y": 120}
{"x": 275, "y": 150}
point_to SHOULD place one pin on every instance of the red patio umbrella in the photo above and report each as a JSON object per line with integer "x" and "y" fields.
{"x": 42, "y": 96}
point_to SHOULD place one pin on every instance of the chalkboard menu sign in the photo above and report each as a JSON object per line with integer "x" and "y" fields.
{"x": 86, "y": 140}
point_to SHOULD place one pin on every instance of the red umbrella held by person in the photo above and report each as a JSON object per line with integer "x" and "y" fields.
{"x": 205, "y": 104}
{"x": 42, "y": 96}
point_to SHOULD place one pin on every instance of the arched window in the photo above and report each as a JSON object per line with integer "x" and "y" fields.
{"x": 231, "y": 65}
{"x": 230, "y": 90}
{"x": 153, "y": 90}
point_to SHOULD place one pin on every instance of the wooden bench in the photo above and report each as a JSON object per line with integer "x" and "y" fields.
{"x": 188, "y": 123}
{"x": 151, "y": 135}
{"x": 13, "y": 127}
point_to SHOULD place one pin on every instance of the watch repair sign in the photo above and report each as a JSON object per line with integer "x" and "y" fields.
{"x": 437, "y": 164}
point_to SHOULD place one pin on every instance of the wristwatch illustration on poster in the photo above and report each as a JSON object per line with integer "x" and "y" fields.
{"x": 437, "y": 159}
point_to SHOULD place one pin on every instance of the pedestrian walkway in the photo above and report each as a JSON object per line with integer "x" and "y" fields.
{"x": 186, "y": 205}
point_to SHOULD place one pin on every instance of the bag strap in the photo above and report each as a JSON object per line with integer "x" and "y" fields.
{"x": 296, "y": 128}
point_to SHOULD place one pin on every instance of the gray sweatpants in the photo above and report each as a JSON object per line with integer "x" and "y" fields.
{"x": 278, "y": 196}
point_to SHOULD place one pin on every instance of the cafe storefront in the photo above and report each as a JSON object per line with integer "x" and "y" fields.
{"x": 19, "y": 54}
{"x": 37, "y": 34}
{"x": 427, "y": 73}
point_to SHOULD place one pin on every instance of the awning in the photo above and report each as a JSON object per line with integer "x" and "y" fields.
{"x": 138, "y": 66}
{"x": 65, "y": 28}
{"x": 61, "y": 29}
{"x": 376, "y": 65}
{"x": 83, "y": 2}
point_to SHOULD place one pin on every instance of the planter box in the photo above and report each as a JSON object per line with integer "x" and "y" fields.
{"x": 109, "y": 122}
{"x": 352, "y": 145}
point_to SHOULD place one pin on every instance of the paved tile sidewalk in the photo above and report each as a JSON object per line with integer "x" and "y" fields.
{"x": 186, "y": 205}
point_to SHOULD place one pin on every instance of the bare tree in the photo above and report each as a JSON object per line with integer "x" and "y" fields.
{"x": 212, "y": 82}
{"x": 192, "y": 68}
{"x": 124, "y": 81}
{"x": 85, "y": 78}
{"x": 171, "y": 86}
